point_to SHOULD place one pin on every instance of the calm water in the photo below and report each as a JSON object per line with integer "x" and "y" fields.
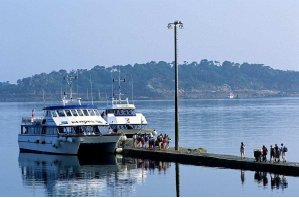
{"x": 217, "y": 125}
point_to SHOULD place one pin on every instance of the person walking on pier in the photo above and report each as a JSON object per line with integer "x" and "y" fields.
{"x": 284, "y": 149}
{"x": 242, "y": 150}
{"x": 281, "y": 148}
{"x": 264, "y": 153}
{"x": 272, "y": 156}
{"x": 146, "y": 139}
{"x": 276, "y": 153}
{"x": 135, "y": 140}
{"x": 142, "y": 141}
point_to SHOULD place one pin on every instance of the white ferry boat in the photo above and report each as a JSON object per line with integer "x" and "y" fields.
{"x": 122, "y": 117}
{"x": 231, "y": 95}
{"x": 70, "y": 128}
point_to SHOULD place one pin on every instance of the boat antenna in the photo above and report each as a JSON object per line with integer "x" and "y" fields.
{"x": 119, "y": 86}
{"x": 69, "y": 80}
{"x": 90, "y": 88}
{"x": 112, "y": 94}
{"x": 87, "y": 94}
{"x": 106, "y": 97}
{"x": 99, "y": 93}
{"x": 132, "y": 89}
{"x": 44, "y": 96}
{"x": 77, "y": 83}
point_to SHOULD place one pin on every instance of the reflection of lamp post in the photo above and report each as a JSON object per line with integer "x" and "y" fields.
{"x": 170, "y": 26}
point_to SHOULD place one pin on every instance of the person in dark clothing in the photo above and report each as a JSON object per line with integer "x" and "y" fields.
{"x": 264, "y": 153}
{"x": 271, "y": 153}
{"x": 277, "y": 153}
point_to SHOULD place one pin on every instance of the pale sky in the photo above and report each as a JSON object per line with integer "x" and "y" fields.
{"x": 45, "y": 35}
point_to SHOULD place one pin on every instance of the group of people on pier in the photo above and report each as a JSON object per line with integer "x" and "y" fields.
{"x": 149, "y": 141}
{"x": 276, "y": 153}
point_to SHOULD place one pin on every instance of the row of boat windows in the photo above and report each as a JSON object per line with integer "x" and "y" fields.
{"x": 73, "y": 112}
{"x": 126, "y": 126}
{"x": 61, "y": 130}
{"x": 120, "y": 112}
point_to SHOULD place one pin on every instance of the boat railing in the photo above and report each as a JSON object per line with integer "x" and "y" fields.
{"x": 31, "y": 120}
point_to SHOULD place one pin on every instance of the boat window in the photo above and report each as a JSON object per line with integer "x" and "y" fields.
{"x": 85, "y": 112}
{"x": 61, "y": 113}
{"x": 80, "y": 112}
{"x": 24, "y": 130}
{"x": 110, "y": 111}
{"x": 68, "y": 112}
{"x": 51, "y": 130}
{"x": 97, "y": 129}
{"x": 34, "y": 130}
{"x": 97, "y": 112}
{"x": 91, "y": 112}
{"x": 74, "y": 112}
{"x": 130, "y": 127}
{"x": 54, "y": 114}
{"x": 68, "y": 130}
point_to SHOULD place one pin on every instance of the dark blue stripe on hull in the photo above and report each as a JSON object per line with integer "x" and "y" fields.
{"x": 84, "y": 149}
{"x": 95, "y": 149}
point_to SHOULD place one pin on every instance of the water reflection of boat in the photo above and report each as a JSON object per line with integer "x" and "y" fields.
{"x": 109, "y": 175}
{"x": 66, "y": 175}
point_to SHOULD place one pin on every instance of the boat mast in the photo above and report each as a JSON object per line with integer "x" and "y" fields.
{"x": 119, "y": 86}
{"x": 90, "y": 88}
{"x": 132, "y": 89}
{"x": 99, "y": 94}
{"x": 69, "y": 80}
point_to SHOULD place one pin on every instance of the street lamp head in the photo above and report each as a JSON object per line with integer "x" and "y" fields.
{"x": 178, "y": 24}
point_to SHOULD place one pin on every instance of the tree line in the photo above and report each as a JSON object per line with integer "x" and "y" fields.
{"x": 155, "y": 80}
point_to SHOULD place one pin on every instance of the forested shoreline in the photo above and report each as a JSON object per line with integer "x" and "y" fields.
{"x": 155, "y": 80}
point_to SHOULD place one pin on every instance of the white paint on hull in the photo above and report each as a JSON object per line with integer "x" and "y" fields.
{"x": 66, "y": 145}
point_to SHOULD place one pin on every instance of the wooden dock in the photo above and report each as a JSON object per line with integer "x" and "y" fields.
{"x": 190, "y": 156}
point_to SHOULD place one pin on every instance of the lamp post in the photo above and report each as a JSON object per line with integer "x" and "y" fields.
{"x": 175, "y": 25}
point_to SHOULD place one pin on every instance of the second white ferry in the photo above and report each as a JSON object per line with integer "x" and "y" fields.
{"x": 122, "y": 117}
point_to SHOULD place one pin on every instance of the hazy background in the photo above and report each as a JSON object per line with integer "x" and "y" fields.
{"x": 47, "y": 35}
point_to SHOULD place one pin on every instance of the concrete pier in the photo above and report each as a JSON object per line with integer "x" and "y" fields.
{"x": 189, "y": 156}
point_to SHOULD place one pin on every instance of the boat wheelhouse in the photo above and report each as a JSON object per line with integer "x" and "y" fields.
{"x": 122, "y": 117}
{"x": 70, "y": 128}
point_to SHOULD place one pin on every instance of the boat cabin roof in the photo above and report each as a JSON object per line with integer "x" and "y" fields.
{"x": 59, "y": 107}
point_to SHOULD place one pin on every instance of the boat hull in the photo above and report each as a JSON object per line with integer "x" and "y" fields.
{"x": 70, "y": 145}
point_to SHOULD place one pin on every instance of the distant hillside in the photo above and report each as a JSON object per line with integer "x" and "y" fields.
{"x": 207, "y": 79}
